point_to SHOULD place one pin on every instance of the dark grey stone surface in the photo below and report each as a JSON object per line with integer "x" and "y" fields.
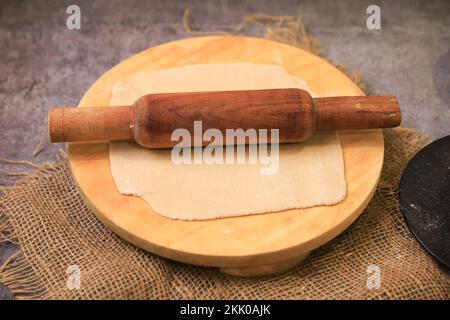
{"x": 43, "y": 64}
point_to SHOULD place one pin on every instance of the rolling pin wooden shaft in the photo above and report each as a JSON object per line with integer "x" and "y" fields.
{"x": 151, "y": 120}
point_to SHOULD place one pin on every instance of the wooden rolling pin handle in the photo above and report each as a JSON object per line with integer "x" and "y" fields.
{"x": 90, "y": 124}
{"x": 350, "y": 113}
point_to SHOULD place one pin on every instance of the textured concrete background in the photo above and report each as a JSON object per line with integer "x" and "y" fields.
{"x": 43, "y": 64}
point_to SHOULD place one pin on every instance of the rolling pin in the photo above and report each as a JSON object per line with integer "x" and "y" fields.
{"x": 151, "y": 120}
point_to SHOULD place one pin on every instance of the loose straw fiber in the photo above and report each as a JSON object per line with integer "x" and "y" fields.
{"x": 45, "y": 215}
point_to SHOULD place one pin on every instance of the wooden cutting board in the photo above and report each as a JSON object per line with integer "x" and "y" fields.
{"x": 245, "y": 246}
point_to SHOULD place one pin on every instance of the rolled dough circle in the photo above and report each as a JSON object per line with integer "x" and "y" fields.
{"x": 302, "y": 175}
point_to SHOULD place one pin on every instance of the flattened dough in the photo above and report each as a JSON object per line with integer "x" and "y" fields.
{"x": 310, "y": 173}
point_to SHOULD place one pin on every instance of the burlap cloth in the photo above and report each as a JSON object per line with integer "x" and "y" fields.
{"x": 54, "y": 229}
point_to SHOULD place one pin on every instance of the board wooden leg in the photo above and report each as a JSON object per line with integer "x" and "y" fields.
{"x": 265, "y": 269}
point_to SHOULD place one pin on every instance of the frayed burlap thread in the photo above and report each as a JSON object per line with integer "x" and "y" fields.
{"x": 45, "y": 214}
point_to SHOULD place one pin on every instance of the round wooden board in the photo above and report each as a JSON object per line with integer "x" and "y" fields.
{"x": 250, "y": 245}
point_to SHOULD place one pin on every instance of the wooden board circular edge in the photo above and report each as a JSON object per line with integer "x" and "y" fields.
{"x": 240, "y": 241}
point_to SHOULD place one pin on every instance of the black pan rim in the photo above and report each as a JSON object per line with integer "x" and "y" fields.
{"x": 425, "y": 149}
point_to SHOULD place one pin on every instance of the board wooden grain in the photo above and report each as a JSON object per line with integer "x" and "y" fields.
{"x": 250, "y": 245}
